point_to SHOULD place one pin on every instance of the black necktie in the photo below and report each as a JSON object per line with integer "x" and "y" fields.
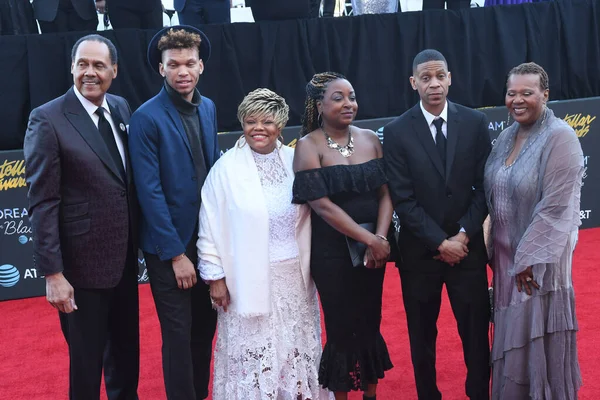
{"x": 109, "y": 138}
{"x": 440, "y": 140}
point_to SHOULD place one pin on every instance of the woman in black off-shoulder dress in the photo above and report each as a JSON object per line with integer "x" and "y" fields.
{"x": 340, "y": 173}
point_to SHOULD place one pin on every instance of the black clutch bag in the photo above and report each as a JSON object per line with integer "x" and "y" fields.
{"x": 357, "y": 249}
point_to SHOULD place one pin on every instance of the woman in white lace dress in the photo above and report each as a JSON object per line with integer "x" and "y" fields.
{"x": 254, "y": 250}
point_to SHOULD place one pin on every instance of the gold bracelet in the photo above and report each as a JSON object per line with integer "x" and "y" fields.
{"x": 381, "y": 237}
{"x": 179, "y": 257}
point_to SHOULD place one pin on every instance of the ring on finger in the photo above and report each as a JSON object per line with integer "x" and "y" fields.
{"x": 528, "y": 279}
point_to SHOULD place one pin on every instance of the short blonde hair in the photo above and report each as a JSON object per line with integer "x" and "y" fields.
{"x": 264, "y": 102}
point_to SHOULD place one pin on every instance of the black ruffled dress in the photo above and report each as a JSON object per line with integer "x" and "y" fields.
{"x": 355, "y": 354}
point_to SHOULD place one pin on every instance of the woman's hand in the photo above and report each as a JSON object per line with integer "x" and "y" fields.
{"x": 377, "y": 253}
{"x": 525, "y": 281}
{"x": 219, "y": 294}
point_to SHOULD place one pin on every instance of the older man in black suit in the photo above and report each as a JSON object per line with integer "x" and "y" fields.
{"x": 83, "y": 211}
{"x": 65, "y": 15}
{"x": 435, "y": 155}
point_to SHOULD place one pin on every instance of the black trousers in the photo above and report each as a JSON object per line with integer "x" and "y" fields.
{"x": 123, "y": 18}
{"x": 277, "y": 10}
{"x": 104, "y": 332}
{"x": 202, "y": 12}
{"x": 452, "y": 4}
{"x": 468, "y": 294}
{"x": 187, "y": 324}
{"x": 67, "y": 20}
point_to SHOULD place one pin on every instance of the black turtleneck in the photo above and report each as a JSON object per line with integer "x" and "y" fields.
{"x": 188, "y": 111}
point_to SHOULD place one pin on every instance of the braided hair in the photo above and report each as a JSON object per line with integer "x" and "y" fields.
{"x": 315, "y": 89}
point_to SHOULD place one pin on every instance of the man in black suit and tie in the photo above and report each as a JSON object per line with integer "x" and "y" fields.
{"x": 83, "y": 211}
{"x": 65, "y": 15}
{"x": 435, "y": 155}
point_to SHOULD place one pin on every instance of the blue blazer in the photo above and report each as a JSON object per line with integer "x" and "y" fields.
{"x": 164, "y": 172}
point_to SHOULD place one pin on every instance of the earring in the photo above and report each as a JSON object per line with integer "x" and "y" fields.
{"x": 320, "y": 120}
{"x": 241, "y": 142}
{"x": 508, "y": 120}
{"x": 545, "y": 113}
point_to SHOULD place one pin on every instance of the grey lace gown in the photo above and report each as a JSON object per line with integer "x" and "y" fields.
{"x": 534, "y": 210}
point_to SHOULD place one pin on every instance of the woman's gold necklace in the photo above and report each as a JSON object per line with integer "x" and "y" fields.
{"x": 347, "y": 150}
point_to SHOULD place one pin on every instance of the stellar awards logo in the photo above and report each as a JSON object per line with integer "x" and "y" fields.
{"x": 12, "y": 174}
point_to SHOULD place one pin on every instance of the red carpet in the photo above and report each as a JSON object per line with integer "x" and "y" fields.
{"x": 34, "y": 363}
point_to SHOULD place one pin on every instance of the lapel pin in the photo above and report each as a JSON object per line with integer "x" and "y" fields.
{"x": 122, "y": 126}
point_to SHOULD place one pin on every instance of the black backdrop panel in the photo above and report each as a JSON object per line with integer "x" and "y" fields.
{"x": 19, "y": 279}
{"x": 374, "y": 51}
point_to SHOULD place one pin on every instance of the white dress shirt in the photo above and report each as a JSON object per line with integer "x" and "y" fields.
{"x": 430, "y": 117}
{"x": 91, "y": 108}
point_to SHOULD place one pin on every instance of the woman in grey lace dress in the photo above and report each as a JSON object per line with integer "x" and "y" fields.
{"x": 533, "y": 183}
{"x": 254, "y": 250}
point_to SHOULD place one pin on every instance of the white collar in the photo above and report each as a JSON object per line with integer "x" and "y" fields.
{"x": 90, "y": 107}
{"x": 429, "y": 117}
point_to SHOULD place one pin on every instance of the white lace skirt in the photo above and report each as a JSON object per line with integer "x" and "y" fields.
{"x": 274, "y": 357}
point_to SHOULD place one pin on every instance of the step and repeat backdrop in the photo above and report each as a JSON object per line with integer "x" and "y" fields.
{"x": 18, "y": 279}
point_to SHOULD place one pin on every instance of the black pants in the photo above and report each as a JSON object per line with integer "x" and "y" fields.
{"x": 202, "y": 12}
{"x": 187, "y": 324}
{"x": 452, "y": 4}
{"x": 67, "y": 20}
{"x": 275, "y": 10}
{"x": 468, "y": 294}
{"x": 104, "y": 331}
{"x": 123, "y": 18}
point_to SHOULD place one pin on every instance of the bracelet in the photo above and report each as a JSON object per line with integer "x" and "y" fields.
{"x": 381, "y": 237}
{"x": 179, "y": 257}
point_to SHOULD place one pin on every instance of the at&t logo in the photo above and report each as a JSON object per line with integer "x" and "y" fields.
{"x": 9, "y": 275}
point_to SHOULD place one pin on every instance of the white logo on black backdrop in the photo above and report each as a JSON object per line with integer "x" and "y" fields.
{"x": 585, "y": 214}
{"x": 585, "y": 168}
{"x": 15, "y": 224}
{"x": 143, "y": 276}
{"x": 497, "y": 126}
{"x": 9, "y": 275}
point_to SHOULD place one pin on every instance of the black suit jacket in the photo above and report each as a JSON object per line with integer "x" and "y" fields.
{"x": 433, "y": 205}
{"x": 83, "y": 214}
{"x": 45, "y": 10}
